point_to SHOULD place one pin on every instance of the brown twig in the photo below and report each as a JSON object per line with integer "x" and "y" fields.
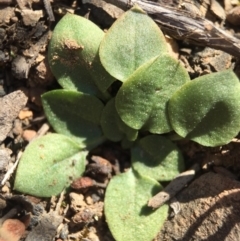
{"x": 183, "y": 25}
{"x": 176, "y": 185}
{"x": 49, "y": 10}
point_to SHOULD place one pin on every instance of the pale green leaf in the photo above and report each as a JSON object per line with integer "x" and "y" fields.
{"x": 131, "y": 41}
{"x": 48, "y": 166}
{"x": 157, "y": 157}
{"x": 142, "y": 100}
{"x": 126, "y": 210}
{"x": 75, "y": 115}
{"x": 73, "y": 55}
{"x": 206, "y": 110}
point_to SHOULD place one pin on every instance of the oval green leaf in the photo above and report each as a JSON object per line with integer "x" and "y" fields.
{"x": 75, "y": 115}
{"x": 73, "y": 55}
{"x": 131, "y": 41}
{"x": 126, "y": 210}
{"x": 157, "y": 157}
{"x": 142, "y": 100}
{"x": 206, "y": 110}
{"x": 48, "y": 166}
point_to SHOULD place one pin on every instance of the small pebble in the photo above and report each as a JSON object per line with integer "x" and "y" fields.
{"x": 28, "y": 135}
{"x": 233, "y": 16}
{"x": 5, "y": 189}
{"x": 23, "y": 114}
{"x": 17, "y": 129}
{"x": 82, "y": 182}
{"x": 234, "y": 2}
{"x": 76, "y": 201}
{"x": 217, "y": 9}
{"x": 14, "y": 19}
{"x": 89, "y": 200}
{"x": 20, "y": 67}
{"x": 93, "y": 237}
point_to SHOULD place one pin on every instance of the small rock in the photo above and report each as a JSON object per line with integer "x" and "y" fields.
{"x": 23, "y": 4}
{"x": 5, "y": 189}
{"x": 104, "y": 12}
{"x": 28, "y": 135}
{"x": 30, "y": 17}
{"x": 7, "y": 228}
{"x": 210, "y": 59}
{"x": 11, "y": 105}
{"x": 20, "y": 67}
{"x": 83, "y": 216}
{"x": 227, "y": 5}
{"x": 89, "y": 200}
{"x": 46, "y": 228}
{"x": 234, "y": 2}
{"x": 14, "y": 19}
{"x": 43, "y": 73}
{"x": 23, "y": 114}
{"x": 6, "y": 14}
{"x": 39, "y": 58}
{"x": 77, "y": 201}
{"x": 233, "y": 16}
{"x": 191, "y": 8}
{"x": 99, "y": 168}
{"x": 93, "y": 237}
{"x": 217, "y": 9}
{"x": 17, "y": 127}
{"x": 82, "y": 182}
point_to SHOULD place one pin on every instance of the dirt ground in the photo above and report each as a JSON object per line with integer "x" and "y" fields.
{"x": 208, "y": 208}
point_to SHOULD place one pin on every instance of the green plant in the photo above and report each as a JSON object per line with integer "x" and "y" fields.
{"x": 156, "y": 97}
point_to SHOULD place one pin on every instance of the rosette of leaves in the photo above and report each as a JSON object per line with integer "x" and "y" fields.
{"x": 156, "y": 97}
